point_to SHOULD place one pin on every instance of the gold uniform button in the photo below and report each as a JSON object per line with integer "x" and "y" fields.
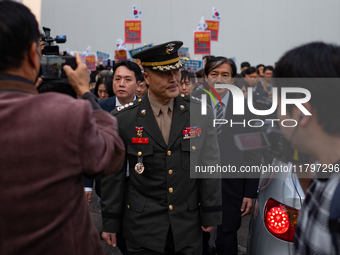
{"x": 139, "y": 153}
{"x": 199, "y": 204}
{"x": 171, "y": 190}
{"x": 182, "y": 95}
{"x": 128, "y": 207}
{"x": 171, "y": 207}
{"x": 139, "y": 100}
{"x": 193, "y": 148}
{"x": 168, "y": 153}
{"x": 170, "y": 172}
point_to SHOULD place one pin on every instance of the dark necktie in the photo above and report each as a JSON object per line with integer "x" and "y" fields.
{"x": 219, "y": 115}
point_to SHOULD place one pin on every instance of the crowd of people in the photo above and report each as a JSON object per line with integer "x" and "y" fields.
{"x": 133, "y": 138}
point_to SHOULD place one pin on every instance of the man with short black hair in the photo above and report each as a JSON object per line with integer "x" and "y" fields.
{"x": 252, "y": 78}
{"x": 318, "y": 135}
{"x": 267, "y": 81}
{"x": 244, "y": 65}
{"x": 48, "y": 141}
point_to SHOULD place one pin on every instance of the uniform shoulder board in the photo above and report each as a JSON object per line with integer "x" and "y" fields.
{"x": 196, "y": 98}
{"x": 127, "y": 106}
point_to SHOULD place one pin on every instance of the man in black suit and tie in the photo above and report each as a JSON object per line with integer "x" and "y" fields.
{"x": 239, "y": 191}
{"x": 252, "y": 78}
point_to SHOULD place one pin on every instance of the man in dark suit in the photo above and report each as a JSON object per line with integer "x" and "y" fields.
{"x": 48, "y": 142}
{"x": 165, "y": 210}
{"x": 124, "y": 86}
{"x": 237, "y": 190}
{"x": 252, "y": 78}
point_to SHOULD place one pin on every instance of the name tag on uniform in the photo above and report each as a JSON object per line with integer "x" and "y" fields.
{"x": 140, "y": 140}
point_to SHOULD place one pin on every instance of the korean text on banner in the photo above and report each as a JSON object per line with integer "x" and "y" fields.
{"x": 202, "y": 42}
{"x": 133, "y": 31}
{"x": 91, "y": 62}
{"x": 213, "y": 26}
{"x": 120, "y": 56}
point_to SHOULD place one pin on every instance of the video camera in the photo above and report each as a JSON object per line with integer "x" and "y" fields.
{"x": 271, "y": 139}
{"x": 52, "y": 73}
{"x": 51, "y": 49}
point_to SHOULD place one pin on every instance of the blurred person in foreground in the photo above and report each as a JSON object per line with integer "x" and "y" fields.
{"x": 48, "y": 142}
{"x": 317, "y": 135}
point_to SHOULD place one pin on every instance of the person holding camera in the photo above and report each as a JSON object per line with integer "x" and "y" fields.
{"x": 48, "y": 141}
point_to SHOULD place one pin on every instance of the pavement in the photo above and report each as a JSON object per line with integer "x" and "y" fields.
{"x": 109, "y": 250}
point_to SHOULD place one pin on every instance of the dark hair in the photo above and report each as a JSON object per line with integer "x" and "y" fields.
{"x": 107, "y": 80}
{"x": 18, "y": 30}
{"x": 140, "y": 77}
{"x": 240, "y": 82}
{"x": 251, "y": 70}
{"x": 245, "y": 64}
{"x": 130, "y": 65}
{"x": 208, "y": 57}
{"x": 60, "y": 86}
{"x": 271, "y": 68}
{"x": 259, "y": 65}
{"x": 200, "y": 73}
{"x": 215, "y": 62}
{"x": 314, "y": 60}
{"x": 186, "y": 75}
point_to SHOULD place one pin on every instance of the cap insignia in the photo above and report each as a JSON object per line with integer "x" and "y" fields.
{"x": 169, "y": 48}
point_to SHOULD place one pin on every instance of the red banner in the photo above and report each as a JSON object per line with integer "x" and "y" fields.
{"x": 213, "y": 26}
{"x": 202, "y": 42}
{"x": 120, "y": 56}
{"x": 91, "y": 63}
{"x": 133, "y": 31}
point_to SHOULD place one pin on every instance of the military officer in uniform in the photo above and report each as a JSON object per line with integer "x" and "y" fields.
{"x": 165, "y": 211}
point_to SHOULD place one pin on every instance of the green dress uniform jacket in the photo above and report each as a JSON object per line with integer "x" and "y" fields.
{"x": 163, "y": 195}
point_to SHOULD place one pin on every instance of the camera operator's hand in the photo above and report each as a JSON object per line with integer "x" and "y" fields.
{"x": 79, "y": 78}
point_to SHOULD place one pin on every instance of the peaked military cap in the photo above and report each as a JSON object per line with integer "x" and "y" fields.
{"x": 161, "y": 58}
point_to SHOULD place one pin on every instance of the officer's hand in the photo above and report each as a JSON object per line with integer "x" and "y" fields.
{"x": 110, "y": 239}
{"x": 88, "y": 195}
{"x": 247, "y": 204}
{"x": 79, "y": 78}
{"x": 207, "y": 229}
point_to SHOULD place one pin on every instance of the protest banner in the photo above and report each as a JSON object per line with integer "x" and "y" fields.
{"x": 103, "y": 55}
{"x": 91, "y": 62}
{"x": 213, "y": 26}
{"x": 194, "y": 65}
{"x": 133, "y": 31}
{"x": 183, "y": 52}
{"x": 120, "y": 55}
{"x": 136, "y": 50}
{"x": 202, "y": 42}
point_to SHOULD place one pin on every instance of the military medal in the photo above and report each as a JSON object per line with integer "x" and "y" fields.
{"x": 139, "y": 138}
{"x": 139, "y": 167}
{"x": 192, "y": 132}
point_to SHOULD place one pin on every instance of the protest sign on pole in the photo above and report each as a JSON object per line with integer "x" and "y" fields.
{"x": 202, "y": 42}
{"x": 213, "y": 26}
{"x": 102, "y": 55}
{"x": 183, "y": 52}
{"x": 133, "y": 31}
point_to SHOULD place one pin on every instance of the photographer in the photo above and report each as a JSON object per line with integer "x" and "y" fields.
{"x": 48, "y": 141}
{"x": 315, "y": 67}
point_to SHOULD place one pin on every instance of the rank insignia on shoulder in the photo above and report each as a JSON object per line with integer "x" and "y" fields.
{"x": 196, "y": 98}
{"x": 119, "y": 108}
{"x": 192, "y": 132}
